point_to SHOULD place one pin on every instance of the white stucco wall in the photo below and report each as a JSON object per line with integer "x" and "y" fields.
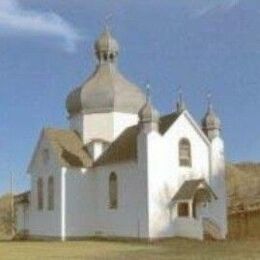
{"x": 188, "y": 227}
{"x": 165, "y": 176}
{"x": 218, "y": 208}
{"x": 106, "y": 126}
{"x": 125, "y": 220}
{"x": 80, "y": 206}
{"x": 45, "y": 222}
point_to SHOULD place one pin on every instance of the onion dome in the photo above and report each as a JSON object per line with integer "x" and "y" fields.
{"x": 210, "y": 120}
{"x": 211, "y": 123}
{"x": 106, "y": 90}
{"x": 147, "y": 113}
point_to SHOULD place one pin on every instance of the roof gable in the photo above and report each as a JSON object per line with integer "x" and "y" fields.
{"x": 196, "y": 127}
{"x": 167, "y": 121}
{"x": 67, "y": 147}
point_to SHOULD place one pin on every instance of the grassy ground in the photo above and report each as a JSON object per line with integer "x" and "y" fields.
{"x": 172, "y": 249}
{"x": 244, "y": 244}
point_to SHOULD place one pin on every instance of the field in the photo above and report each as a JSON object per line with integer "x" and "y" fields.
{"x": 172, "y": 249}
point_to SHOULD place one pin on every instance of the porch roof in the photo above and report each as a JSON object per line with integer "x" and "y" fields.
{"x": 189, "y": 189}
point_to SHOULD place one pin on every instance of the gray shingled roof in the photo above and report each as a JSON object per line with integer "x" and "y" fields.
{"x": 69, "y": 148}
{"x": 71, "y": 152}
{"x": 189, "y": 188}
{"x": 124, "y": 148}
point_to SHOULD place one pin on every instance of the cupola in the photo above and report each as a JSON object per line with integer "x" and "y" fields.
{"x": 148, "y": 116}
{"x": 211, "y": 124}
{"x": 106, "y": 47}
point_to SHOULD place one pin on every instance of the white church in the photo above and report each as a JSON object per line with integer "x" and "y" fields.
{"x": 121, "y": 170}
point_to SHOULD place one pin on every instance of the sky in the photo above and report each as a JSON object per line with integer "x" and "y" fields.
{"x": 46, "y": 49}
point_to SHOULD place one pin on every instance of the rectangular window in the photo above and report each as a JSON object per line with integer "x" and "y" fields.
{"x": 183, "y": 209}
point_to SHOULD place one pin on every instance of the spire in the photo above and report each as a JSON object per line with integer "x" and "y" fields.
{"x": 148, "y": 92}
{"x": 209, "y": 101}
{"x": 108, "y": 19}
{"x": 180, "y": 102}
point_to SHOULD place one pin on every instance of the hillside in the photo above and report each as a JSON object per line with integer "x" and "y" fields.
{"x": 243, "y": 186}
{"x": 5, "y": 213}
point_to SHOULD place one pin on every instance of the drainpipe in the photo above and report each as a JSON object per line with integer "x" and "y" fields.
{"x": 63, "y": 203}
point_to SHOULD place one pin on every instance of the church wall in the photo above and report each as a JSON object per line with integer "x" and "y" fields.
{"x": 125, "y": 220}
{"x": 165, "y": 176}
{"x": 122, "y": 121}
{"x": 218, "y": 209}
{"x": 106, "y": 126}
{"x": 45, "y": 222}
{"x": 80, "y": 203}
{"x": 188, "y": 227}
{"x": 200, "y": 155}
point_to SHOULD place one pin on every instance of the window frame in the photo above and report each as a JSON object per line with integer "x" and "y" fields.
{"x": 183, "y": 209}
{"x": 46, "y": 155}
{"x": 40, "y": 194}
{"x": 51, "y": 193}
{"x": 185, "y": 153}
{"x": 113, "y": 191}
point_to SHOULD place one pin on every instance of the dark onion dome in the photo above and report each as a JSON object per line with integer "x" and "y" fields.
{"x": 148, "y": 114}
{"x": 210, "y": 120}
{"x": 106, "y": 90}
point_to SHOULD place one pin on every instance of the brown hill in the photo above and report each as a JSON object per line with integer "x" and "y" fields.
{"x": 243, "y": 186}
{"x": 5, "y": 216}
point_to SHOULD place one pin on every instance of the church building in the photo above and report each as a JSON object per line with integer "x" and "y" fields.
{"x": 122, "y": 170}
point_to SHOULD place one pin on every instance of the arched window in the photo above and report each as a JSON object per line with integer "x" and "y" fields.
{"x": 40, "y": 193}
{"x": 113, "y": 191}
{"x": 50, "y": 193}
{"x": 45, "y": 156}
{"x": 185, "y": 152}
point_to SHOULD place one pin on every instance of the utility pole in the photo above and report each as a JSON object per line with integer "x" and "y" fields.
{"x": 12, "y": 204}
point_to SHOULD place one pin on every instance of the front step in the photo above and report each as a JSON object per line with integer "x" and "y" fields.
{"x": 211, "y": 229}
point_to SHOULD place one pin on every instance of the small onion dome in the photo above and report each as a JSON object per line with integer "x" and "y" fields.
{"x": 148, "y": 114}
{"x": 210, "y": 120}
{"x": 106, "y": 46}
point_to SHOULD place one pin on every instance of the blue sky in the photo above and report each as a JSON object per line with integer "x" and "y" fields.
{"x": 46, "y": 49}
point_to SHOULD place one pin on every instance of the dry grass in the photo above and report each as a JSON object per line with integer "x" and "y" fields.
{"x": 172, "y": 249}
{"x": 246, "y": 225}
{"x": 4, "y": 216}
{"x": 243, "y": 184}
